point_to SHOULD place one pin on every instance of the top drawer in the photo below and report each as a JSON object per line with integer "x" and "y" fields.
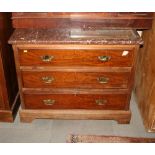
{"x": 100, "y": 58}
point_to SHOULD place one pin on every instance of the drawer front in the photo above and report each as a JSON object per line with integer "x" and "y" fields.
{"x": 75, "y": 80}
{"x": 48, "y": 79}
{"x": 43, "y": 57}
{"x": 78, "y": 101}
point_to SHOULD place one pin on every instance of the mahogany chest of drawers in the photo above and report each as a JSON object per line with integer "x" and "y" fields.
{"x": 9, "y": 96}
{"x": 63, "y": 75}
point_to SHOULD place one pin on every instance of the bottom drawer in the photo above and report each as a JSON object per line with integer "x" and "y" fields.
{"x": 75, "y": 101}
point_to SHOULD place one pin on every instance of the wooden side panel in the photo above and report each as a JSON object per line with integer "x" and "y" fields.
{"x": 145, "y": 77}
{"x": 4, "y": 100}
{"x": 1, "y": 84}
{"x": 7, "y": 57}
{"x": 8, "y": 81}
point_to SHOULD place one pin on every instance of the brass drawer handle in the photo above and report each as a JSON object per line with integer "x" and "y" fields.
{"x": 47, "y": 79}
{"x": 101, "y": 101}
{"x": 103, "y": 80}
{"x": 104, "y": 58}
{"x": 25, "y": 51}
{"x": 48, "y": 101}
{"x": 47, "y": 58}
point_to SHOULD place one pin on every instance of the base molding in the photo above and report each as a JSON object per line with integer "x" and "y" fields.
{"x": 6, "y": 116}
{"x": 121, "y": 116}
{"x": 150, "y": 127}
{"x": 9, "y": 115}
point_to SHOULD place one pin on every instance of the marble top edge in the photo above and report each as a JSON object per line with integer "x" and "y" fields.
{"x": 63, "y": 36}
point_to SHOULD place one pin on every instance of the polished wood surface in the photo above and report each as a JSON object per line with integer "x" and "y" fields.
{"x": 45, "y": 79}
{"x": 33, "y": 57}
{"x": 93, "y": 20}
{"x": 145, "y": 79}
{"x": 102, "y": 15}
{"x": 76, "y": 101}
{"x": 8, "y": 82}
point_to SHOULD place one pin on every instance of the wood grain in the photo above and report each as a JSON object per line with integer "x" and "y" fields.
{"x": 153, "y": 124}
{"x": 139, "y": 20}
{"x": 76, "y": 101}
{"x": 145, "y": 79}
{"x": 73, "y": 91}
{"x": 107, "y": 139}
{"x": 84, "y": 15}
{"x": 121, "y": 116}
{"x": 75, "y": 79}
{"x": 8, "y": 80}
{"x": 75, "y": 58}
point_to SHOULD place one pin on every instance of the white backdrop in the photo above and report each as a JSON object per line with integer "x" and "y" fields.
{"x": 77, "y": 5}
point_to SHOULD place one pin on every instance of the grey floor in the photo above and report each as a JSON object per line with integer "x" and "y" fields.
{"x": 56, "y": 131}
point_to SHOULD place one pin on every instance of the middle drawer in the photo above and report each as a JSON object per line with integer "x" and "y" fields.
{"x": 75, "y": 79}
